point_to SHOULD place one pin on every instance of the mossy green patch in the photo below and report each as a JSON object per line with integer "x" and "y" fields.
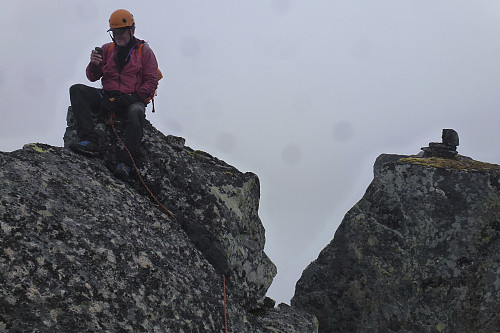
{"x": 449, "y": 163}
{"x": 36, "y": 147}
{"x": 200, "y": 154}
{"x": 440, "y": 327}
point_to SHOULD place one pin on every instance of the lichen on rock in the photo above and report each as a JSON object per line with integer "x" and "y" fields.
{"x": 420, "y": 252}
{"x": 458, "y": 163}
{"x": 82, "y": 251}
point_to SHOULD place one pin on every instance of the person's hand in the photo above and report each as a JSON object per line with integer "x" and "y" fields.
{"x": 95, "y": 58}
{"x": 125, "y": 100}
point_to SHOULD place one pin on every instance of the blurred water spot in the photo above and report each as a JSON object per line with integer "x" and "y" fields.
{"x": 174, "y": 126}
{"x": 190, "y": 47}
{"x": 34, "y": 84}
{"x": 225, "y": 142}
{"x": 212, "y": 108}
{"x": 361, "y": 48}
{"x": 279, "y": 48}
{"x": 343, "y": 131}
{"x": 284, "y": 49}
{"x": 302, "y": 102}
{"x": 280, "y": 6}
{"x": 292, "y": 154}
{"x": 85, "y": 11}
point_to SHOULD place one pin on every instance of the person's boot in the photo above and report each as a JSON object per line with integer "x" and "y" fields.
{"x": 85, "y": 147}
{"x": 122, "y": 171}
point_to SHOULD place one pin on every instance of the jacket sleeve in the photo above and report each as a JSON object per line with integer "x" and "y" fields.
{"x": 94, "y": 72}
{"x": 150, "y": 74}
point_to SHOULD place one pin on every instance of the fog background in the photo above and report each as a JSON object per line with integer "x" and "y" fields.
{"x": 305, "y": 94}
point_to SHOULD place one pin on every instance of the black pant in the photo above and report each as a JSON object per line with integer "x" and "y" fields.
{"x": 86, "y": 104}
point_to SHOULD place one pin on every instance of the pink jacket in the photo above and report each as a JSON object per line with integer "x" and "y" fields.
{"x": 139, "y": 75}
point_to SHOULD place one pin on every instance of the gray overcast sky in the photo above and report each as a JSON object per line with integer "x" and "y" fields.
{"x": 306, "y": 94}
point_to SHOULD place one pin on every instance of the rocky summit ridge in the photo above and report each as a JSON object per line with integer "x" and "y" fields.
{"x": 82, "y": 251}
{"x": 420, "y": 252}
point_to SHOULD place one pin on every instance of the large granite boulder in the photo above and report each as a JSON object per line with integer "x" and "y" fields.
{"x": 82, "y": 251}
{"x": 420, "y": 252}
{"x": 216, "y": 205}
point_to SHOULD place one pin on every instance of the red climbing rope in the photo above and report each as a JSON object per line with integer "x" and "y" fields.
{"x": 225, "y": 312}
{"x": 162, "y": 207}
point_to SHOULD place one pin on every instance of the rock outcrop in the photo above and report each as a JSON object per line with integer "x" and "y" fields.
{"x": 82, "y": 251}
{"x": 446, "y": 149}
{"x": 420, "y": 252}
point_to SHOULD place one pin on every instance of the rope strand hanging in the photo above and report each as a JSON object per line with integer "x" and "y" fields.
{"x": 225, "y": 311}
{"x": 162, "y": 207}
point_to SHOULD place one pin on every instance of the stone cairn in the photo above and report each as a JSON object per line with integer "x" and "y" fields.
{"x": 445, "y": 149}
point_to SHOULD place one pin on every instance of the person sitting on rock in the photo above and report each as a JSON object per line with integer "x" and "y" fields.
{"x": 128, "y": 69}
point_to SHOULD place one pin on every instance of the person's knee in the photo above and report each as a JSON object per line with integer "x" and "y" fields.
{"x": 136, "y": 112}
{"x": 75, "y": 88}
{"x": 80, "y": 91}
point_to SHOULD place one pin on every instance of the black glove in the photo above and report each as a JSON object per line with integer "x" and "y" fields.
{"x": 125, "y": 100}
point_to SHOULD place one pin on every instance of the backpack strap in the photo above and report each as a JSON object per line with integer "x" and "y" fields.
{"x": 160, "y": 75}
{"x": 139, "y": 48}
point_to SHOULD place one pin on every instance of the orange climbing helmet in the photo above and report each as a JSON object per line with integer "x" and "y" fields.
{"x": 121, "y": 18}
